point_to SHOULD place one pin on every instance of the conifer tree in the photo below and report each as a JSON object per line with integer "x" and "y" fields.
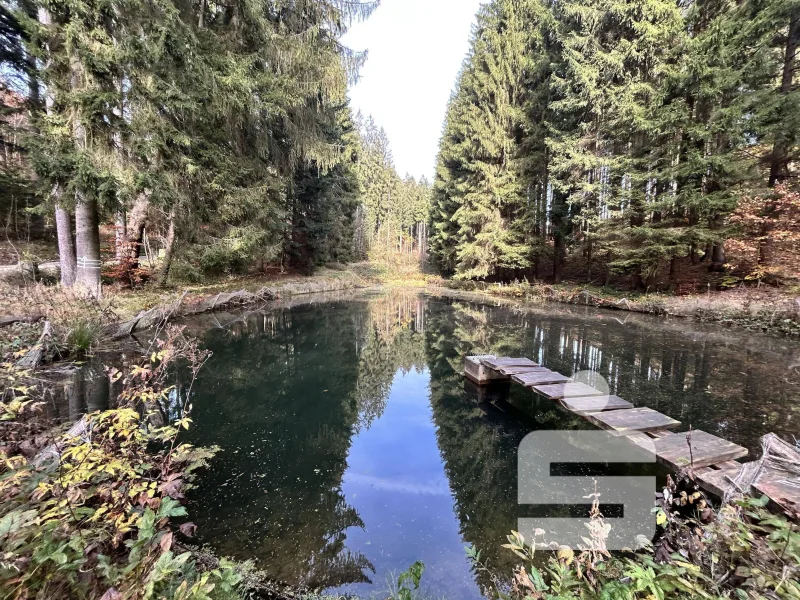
{"x": 173, "y": 109}
{"x": 490, "y": 201}
{"x": 633, "y": 129}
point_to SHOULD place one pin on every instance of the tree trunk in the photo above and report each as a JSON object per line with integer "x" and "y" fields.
{"x": 120, "y": 234}
{"x": 558, "y": 251}
{"x": 589, "y": 261}
{"x": 66, "y": 246}
{"x": 674, "y": 272}
{"x": 718, "y": 256}
{"x": 779, "y": 162}
{"x": 168, "y": 252}
{"x": 134, "y": 234}
{"x": 557, "y": 218}
{"x": 87, "y": 244}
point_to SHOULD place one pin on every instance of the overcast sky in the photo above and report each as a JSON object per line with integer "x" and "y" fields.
{"x": 415, "y": 51}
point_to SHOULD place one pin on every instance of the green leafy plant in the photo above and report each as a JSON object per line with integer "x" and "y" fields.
{"x": 94, "y": 515}
{"x": 745, "y": 553}
{"x": 409, "y": 580}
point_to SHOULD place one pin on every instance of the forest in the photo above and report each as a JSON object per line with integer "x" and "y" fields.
{"x": 233, "y": 334}
{"x": 218, "y": 135}
{"x": 598, "y": 139}
{"x": 636, "y": 143}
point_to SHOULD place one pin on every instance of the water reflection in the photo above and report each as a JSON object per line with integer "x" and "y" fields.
{"x": 352, "y": 445}
{"x": 82, "y": 389}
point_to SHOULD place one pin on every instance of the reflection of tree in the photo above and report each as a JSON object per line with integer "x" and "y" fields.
{"x": 716, "y": 387}
{"x": 278, "y": 397}
{"x": 282, "y": 395}
{"x": 479, "y": 453}
{"x": 480, "y": 429}
{"x": 720, "y": 382}
{"x": 391, "y": 340}
{"x": 86, "y": 390}
{"x": 286, "y": 390}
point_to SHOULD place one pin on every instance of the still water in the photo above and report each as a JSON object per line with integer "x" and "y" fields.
{"x": 351, "y": 445}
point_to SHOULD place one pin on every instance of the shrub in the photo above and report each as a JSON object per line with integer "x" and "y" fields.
{"x": 746, "y": 553}
{"x": 93, "y": 516}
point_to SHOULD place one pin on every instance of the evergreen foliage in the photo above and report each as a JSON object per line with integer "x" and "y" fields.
{"x": 222, "y": 130}
{"x": 394, "y": 214}
{"x": 625, "y": 130}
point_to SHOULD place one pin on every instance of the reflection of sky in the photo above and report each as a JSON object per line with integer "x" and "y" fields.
{"x": 396, "y": 482}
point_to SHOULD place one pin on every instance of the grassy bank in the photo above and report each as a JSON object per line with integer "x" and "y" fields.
{"x": 80, "y": 324}
{"x": 767, "y": 310}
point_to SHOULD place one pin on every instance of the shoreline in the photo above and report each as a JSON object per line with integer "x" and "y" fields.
{"x": 746, "y": 309}
{"x": 736, "y": 310}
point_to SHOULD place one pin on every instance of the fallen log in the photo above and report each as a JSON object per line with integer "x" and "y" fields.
{"x": 34, "y": 318}
{"x": 42, "y": 352}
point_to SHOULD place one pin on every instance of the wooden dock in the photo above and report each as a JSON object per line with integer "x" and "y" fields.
{"x": 713, "y": 459}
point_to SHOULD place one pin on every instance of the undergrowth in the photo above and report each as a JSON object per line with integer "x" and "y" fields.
{"x": 93, "y": 514}
{"x": 744, "y": 553}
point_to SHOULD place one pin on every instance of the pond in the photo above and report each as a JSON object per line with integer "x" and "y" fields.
{"x": 351, "y": 445}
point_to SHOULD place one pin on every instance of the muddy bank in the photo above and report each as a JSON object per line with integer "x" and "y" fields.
{"x": 187, "y": 306}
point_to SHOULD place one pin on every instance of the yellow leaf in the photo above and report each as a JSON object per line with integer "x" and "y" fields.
{"x": 661, "y": 518}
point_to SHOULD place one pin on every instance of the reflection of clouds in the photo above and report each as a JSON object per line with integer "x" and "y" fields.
{"x": 437, "y": 488}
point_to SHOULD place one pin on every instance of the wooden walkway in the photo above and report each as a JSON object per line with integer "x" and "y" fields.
{"x": 712, "y": 458}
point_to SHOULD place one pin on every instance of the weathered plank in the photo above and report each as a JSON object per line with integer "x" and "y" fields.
{"x": 706, "y": 450}
{"x": 521, "y": 370}
{"x": 640, "y": 419}
{"x": 566, "y": 390}
{"x": 540, "y": 378}
{"x": 495, "y": 362}
{"x": 480, "y": 374}
{"x": 595, "y": 404}
{"x": 782, "y": 489}
{"x": 718, "y": 480}
{"x": 642, "y": 440}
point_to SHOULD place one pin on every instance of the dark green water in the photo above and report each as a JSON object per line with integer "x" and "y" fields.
{"x": 352, "y": 445}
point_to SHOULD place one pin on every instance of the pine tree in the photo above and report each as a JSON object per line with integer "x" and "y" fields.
{"x": 451, "y": 175}
{"x": 636, "y": 127}
{"x": 482, "y": 134}
{"x": 173, "y": 109}
{"x": 324, "y": 203}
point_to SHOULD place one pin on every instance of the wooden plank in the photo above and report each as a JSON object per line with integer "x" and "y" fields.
{"x": 595, "y": 404}
{"x": 707, "y": 450}
{"x": 539, "y": 378}
{"x": 717, "y": 481}
{"x": 642, "y": 440}
{"x": 566, "y": 390}
{"x": 477, "y": 372}
{"x": 782, "y": 489}
{"x": 521, "y": 370}
{"x": 641, "y": 419}
{"x": 729, "y": 464}
{"x": 495, "y": 362}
